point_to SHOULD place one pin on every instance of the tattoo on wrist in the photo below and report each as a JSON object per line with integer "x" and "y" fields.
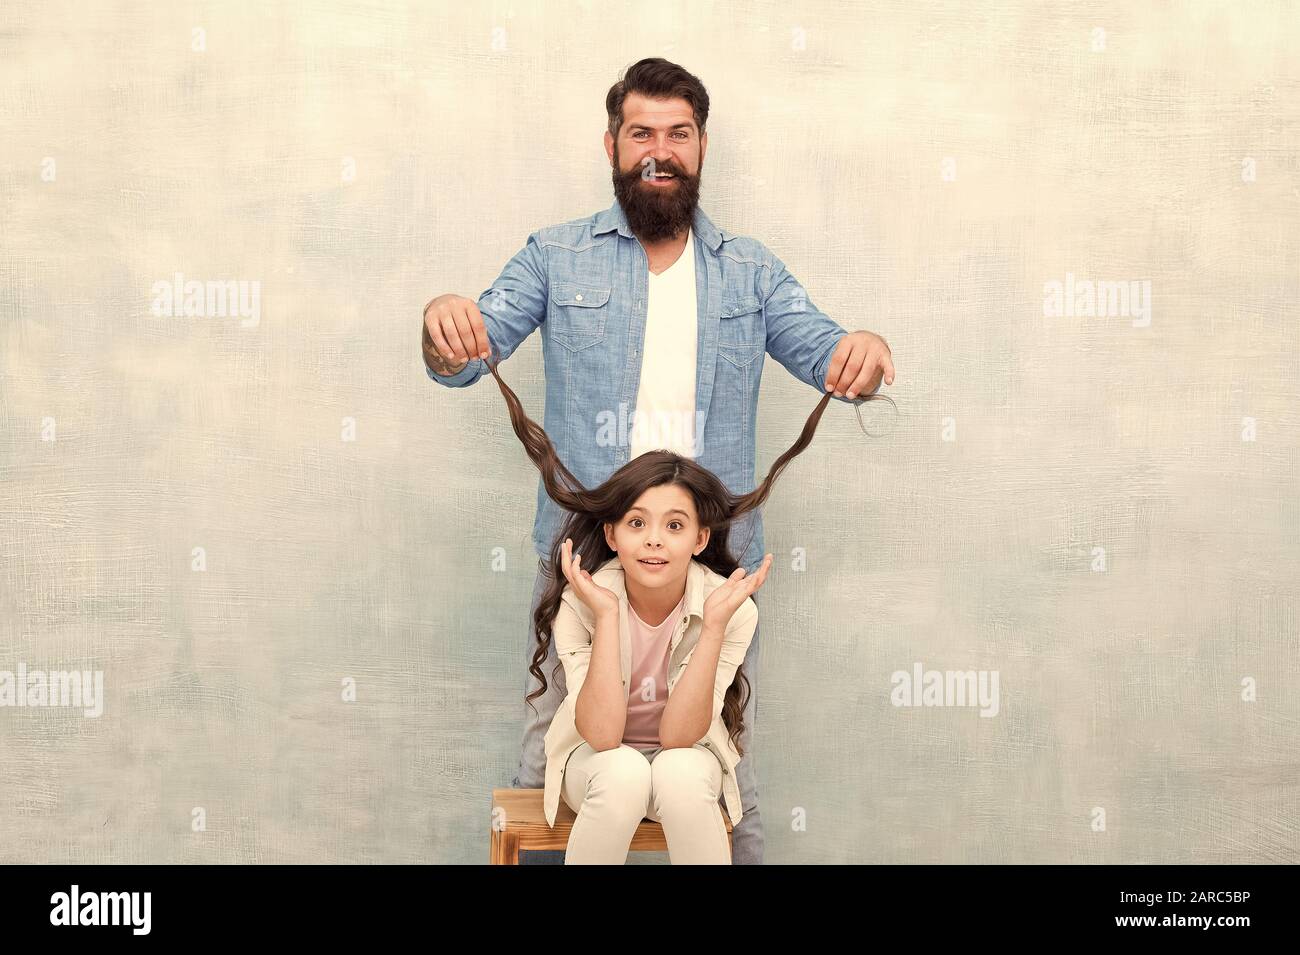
{"x": 435, "y": 361}
{"x": 441, "y": 365}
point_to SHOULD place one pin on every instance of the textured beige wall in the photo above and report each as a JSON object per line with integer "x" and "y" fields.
{"x": 1104, "y": 513}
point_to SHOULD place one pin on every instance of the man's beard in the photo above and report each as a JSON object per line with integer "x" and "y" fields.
{"x": 657, "y": 212}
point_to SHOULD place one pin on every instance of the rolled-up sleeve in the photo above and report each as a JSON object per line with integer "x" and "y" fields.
{"x": 799, "y": 336}
{"x": 512, "y": 308}
{"x": 735, "y": 644}
{"x": 572, "y": 639}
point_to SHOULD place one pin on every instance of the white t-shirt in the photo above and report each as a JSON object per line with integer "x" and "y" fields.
{"x": 664, "y": 416}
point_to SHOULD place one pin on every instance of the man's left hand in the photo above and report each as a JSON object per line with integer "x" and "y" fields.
{"x": 859, "y": 361}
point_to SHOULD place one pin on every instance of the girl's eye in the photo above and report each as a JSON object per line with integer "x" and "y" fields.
{"x": 678, "y": 523}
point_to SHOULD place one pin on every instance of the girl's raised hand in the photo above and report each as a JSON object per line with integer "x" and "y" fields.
{"x": 599, "y": 600}
{"x": 727, "y": 598}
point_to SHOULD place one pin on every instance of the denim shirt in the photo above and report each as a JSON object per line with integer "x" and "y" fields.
{"x": 585, "y": 284}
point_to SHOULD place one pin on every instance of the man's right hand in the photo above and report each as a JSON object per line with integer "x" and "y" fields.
{"x": 453, "y": 333}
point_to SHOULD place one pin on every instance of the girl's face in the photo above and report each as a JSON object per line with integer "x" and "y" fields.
{"x": 656, "y": 539}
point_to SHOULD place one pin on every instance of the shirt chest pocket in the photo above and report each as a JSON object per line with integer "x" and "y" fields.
{"x": 578, "y": 314}
{"x": 742, "y": 335}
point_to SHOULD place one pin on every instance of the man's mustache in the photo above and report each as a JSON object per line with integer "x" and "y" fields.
{"x": 637, "y": 172}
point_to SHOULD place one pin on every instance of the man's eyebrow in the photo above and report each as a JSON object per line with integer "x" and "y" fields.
{"x": 674, "y": 126}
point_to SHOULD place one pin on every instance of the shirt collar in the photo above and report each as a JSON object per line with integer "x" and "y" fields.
{"x": 614, "y": 218}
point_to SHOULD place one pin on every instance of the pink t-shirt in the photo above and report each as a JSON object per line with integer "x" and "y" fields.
{"x": 647, "y": 690}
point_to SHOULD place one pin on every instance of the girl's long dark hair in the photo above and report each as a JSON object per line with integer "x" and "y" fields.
{"x": 589, "y": 510}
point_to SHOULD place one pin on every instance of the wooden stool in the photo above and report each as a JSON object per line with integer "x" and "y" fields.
{"x": 519, "y": 824}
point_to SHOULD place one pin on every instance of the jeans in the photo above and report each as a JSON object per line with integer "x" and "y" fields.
{"x": 746, "y": 836}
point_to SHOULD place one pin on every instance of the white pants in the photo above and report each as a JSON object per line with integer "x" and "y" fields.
{"x": 614, "y": 789}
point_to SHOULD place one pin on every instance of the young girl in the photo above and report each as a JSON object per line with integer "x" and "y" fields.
{"x": 650, "y": 644}
{"x": 651, "y": 628}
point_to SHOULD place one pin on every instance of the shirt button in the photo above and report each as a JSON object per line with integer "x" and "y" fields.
{"x": 577, "y": 298}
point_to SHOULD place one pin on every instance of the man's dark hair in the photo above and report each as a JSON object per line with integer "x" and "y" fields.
{"x": 657, "y": 78}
